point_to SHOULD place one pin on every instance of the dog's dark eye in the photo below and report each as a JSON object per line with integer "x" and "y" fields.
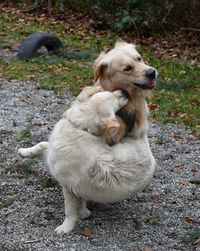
{"x": 128, "y": 68}
{"x": 139, "y": 58}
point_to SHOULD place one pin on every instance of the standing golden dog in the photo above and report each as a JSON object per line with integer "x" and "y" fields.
{"x": 84, "y": 164}
{"x": 123, "y": 68}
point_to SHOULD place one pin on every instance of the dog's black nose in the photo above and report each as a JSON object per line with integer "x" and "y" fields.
{"x": 150, "y": 74}
{"x": 124, "y": 93}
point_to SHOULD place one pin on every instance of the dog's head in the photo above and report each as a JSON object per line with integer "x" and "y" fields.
{"x": 124, "y": 67}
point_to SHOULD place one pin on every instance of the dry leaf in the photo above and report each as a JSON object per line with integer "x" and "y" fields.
{"x": 146, "y": 248}
{"x": 184, "y": 182}
{"x": 88, "y": 233}
{"x": 154, "y": 196}
{"x": 137, "y": 224}
{"x": 175, "y": 113}
{"x": 197, "y": 242}
{"x": 1, "y": 205}
{"x": 189, "y": 219}
{"x": 153, "y": 106}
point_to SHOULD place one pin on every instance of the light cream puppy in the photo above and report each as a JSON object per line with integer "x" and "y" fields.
{"x": 92, "y": 111}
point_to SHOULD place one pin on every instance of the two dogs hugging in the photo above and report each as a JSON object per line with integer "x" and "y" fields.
{"x": 99, "y": 151}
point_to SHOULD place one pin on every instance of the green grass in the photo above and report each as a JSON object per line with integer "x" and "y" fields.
{"x": 178, "y": 91}
{"x": 176, "y": 96}
{"x": 26, "y": 168}
{"x": 192, "y": 237}
{"x": 46, "y": 182}
{"x": 23, "y": 134}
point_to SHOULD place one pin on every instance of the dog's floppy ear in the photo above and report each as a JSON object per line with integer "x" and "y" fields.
{"x": 100, "y": 66}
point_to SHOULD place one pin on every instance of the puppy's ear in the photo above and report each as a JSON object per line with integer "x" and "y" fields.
{"x": 100, "y": 67}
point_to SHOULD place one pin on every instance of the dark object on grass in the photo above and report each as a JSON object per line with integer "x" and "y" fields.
{"x": 35, "y": 41}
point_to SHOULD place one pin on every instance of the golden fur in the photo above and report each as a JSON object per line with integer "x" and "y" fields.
{"x": 111, "y": 73}
{"x": 86, "y": 167}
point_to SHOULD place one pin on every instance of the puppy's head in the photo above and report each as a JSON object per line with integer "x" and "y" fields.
{"x": 123, "y": 67}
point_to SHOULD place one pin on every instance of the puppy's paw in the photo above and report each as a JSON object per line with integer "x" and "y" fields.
{"x": 122, "y": 97}
{"x": 114, "y": 134}
{"x": 84, "y": 213}
{"x": 66, "y": 227}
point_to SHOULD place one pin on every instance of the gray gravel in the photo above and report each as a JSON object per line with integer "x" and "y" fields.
{"x": 166, "y": 217}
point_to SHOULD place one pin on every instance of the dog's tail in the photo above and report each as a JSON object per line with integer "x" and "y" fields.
{"x": 37, "y": 151}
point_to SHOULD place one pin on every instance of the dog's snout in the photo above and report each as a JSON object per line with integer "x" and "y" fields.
{"x": 124, "y": 93}
{"x": 150, "y": 74}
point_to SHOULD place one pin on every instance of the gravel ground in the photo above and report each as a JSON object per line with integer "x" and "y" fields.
{"x": 166, "y": 217}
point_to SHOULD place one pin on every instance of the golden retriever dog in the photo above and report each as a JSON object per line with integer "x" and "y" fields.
{"x": 123, "y": 68}
{"x": 78, "y": 152}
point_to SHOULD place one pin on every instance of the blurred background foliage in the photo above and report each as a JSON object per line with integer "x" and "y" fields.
{"x": 143, "y": 16}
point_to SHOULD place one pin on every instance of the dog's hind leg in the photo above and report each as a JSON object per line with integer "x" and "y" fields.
{"x": 34, "y": 151}
{"x": 73, "y": 205}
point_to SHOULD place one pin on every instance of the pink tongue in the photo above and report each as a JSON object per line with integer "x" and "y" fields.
{"x": 151, "y": 85}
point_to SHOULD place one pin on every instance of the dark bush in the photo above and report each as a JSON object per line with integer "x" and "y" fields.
{"x": 143, "y": 16}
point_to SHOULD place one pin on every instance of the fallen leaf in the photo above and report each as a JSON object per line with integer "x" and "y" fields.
{"x": 137, "y": 224}
{"x": 153, "y": 106}
{"x": 1, "y": 205}
{"x": 175, "y": 113}
{"x": 189, "y": 219}
{"x": 154, "y": 196}
{"x": 178, "y": 167}
{"x": 146, "y": 248}
{"x": 197, "y": 242}
{"x": 188, "y": 117}
{"x": 88, "y": 233}
{"x": 184, "y": 182}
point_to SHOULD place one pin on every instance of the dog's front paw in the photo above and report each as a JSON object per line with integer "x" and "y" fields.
{"x": 24, "y": 152}
{"x": 66, "y": 227}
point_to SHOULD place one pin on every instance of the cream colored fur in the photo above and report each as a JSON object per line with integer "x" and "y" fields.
{"x": 86, "y": 166}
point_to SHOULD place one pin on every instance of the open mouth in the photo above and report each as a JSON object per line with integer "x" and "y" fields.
{"x": 150, "y": 85}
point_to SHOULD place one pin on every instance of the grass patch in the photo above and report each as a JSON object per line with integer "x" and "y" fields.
{"x": 160, "y": 141}
{"x": 8, "y": 201}
{"x": 23, "y": 134}
{"x": 177, "y": 94}
{"x": 26, "y": 169}
{"x": 47, "y": 182}
{"x": 192, "y": 237}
